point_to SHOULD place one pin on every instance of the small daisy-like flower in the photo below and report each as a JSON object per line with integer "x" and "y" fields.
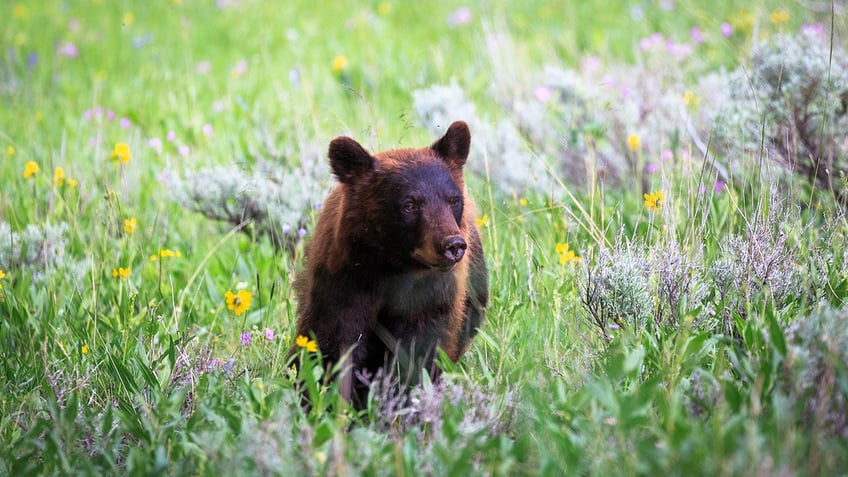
{"x": 31, "y": 169}
{"x": 566, "y": 255}
{"x": 306, "y": 343}
{"x": 59, "y": 176}
{"x": 238, "y": 302}
{"x": 339, "y": 64}
{"x": 246, "y": 338}
{"x": 633, "y": 142}
{"x": 482, "y": 221}
{"x": 654, "y": 200}
{"x": 84, "y": 349}
{"x": 130, "y": 225}
{"x": 269, "y": 334}
{"x": 121, "y": 153}
{"x": 121, "y": 273}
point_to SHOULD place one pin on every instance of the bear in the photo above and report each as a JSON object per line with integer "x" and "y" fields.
{"x": 394, "y": 269}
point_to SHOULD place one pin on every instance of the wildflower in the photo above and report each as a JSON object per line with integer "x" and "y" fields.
{"x": 239, "y": 69}
{"x": 207, "y": 130}
{"x": 696, "y": 35}
{"x": 306, "y": 343}
{"x": 246, "y": 338}
{"x": 19, "y": 11}
{"x": 522, "y": 202}
{"x": 779, "y": 16}
{"x": 171, "y": 136}
{"x": 384, "y": 8}
{"x": 125, "y": 123}
{"x": 543, "y": 94}
{"x": 653, "y": 201}
{"x": 166, "y": 253}
{"x": 633, "y": 142}
{"x": 71, "y": 182}
{"x": 339, "y": 64}
{"x": 58, "y": 176}
{"x": 689, "y": 98}
{"x": 482, "y": 221}
{"x": 269, "y": 334}
{"x": 84, "y": 349}
{"x": 10, "y": 151}
{"x": 726, "y": 29}
{"x": 68, "y": 50}
{"x": 122, "y": 153}
{"x": 121, "y": 272}
{"x": 130, "y": 225}
{"x": 460, "y": 17}
{"x": 128, "y": 19}
{"x": 238, "y": 302}
{"x": 2, "y": 276}
{"x": 566, "y": 255}
{"x": 30, "y": 169}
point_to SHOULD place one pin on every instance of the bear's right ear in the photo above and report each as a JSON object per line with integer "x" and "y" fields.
{"x": 349, "y": 160}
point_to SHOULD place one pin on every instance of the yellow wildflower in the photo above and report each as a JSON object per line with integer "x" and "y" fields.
{"x": 482, "y": 221}
{"x": 522, "y": 202}
{"x": 130, "y": 225}
{"x": 84, "y": 349}
{"x": 122, "y": 153}
{"x": 383, "y": 8}
{"x": 238, "y": 302}
{"x": 306, "y": 343}
{"x": 59, "y": 176}
{"x": 71, "y": 182}
{"x": 339, "y": 64}
{"x": 689, "y": 99}
{"x": 633, "y": 142}
{"x": 654, "y": 200}
{"x": 129, "y": 19}
{"x": 19, "y": 11}
{"x": 2, "y": 276}
{"x": 30, "y": 169}
{"x": 166, "y": 253}
{"x": 10, "y": 151}
{"x": 779, "y": 16}
{"x": 566, "y": 255}
{"x": 121, "y": 272}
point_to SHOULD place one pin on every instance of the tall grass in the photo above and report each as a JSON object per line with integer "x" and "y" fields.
{"x": 700, "y": 333}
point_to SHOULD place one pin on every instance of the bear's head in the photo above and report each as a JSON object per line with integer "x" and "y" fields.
{"x": 404, "y": 207}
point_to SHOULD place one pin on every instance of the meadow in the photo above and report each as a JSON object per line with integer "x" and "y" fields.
{"x": 661, "y": 192}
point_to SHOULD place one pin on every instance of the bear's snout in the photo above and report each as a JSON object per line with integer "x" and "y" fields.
{"x": 453, "y": 248}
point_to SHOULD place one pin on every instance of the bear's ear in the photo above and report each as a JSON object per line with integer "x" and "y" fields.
{"x": 349, "y": 160}
{"x": 454, "y": 145}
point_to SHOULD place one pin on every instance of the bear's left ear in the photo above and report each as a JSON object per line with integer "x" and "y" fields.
{"x": 454, "y": 145}
{"x": 349, "y": 160}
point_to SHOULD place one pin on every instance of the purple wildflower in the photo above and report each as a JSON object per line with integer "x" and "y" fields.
{"x": 245, "y": 338}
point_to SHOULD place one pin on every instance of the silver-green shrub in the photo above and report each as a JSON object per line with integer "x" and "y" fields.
{"x": 790, "y": 106}
{"x": 40, "y": 249}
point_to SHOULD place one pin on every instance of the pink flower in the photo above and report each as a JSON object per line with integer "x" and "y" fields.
{"x": 207, "y": 129}
{"x": 269, "y": 334}
{"x": 812, "y": 29}
{"x": 696, "y": 35}
{"x": 245, "y": 338}
{"x": 460, "y": 17}
{"x": 110, "y": 115}
{"x": 171, "y": 136}
{"x": 652, "y": 167}
{"x": 719, "y": 186}
{"x": 68, "y": 50}
{"x": 155, "y": 143}
{"x": 184, "y": 150}
{"x": 726, "y": 30}
{"x": 666, "y": 155}
{"x": 125, "y": 123}
{"x": 543, "y": 93}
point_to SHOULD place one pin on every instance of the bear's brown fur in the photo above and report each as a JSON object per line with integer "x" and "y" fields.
{"x": 394, "y": 269}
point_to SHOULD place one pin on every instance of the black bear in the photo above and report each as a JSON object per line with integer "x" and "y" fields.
{"x": 394, "y": 269}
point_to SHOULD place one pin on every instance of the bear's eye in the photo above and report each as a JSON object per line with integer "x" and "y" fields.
{"x": 455, "y": 200}
{"x": 410, "y": 207}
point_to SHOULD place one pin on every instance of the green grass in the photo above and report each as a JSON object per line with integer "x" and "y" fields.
{"x": 149, "y": 375}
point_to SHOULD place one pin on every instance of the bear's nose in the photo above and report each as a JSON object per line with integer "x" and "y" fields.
{"x": 453, "y": 248}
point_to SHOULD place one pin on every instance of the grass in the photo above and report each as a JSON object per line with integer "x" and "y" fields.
{"x": 742, "y": 372}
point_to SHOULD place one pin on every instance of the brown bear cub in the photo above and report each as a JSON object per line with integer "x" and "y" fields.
{"x": 395, "y": 268}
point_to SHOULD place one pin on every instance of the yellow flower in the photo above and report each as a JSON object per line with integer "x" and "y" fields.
{"x": 121, "y": 272}
{"x": 306, "y": 343}
{"x": 59, "y": 176}
{"x": 482, "y": 221}
{"x": 122, "y": 153}
{"x": 129, "y": 19}
{"x": 71, "y": 182}
{"x": 339, "y": 64}
{"x": 654, "y": 200}
{"x": 166, "y": 253}
{"x": 633, "y": 142}
{"x": 2, "y": 276}
{"x": 384, "y": 8}
{"x": 39, "y": 116}
{"x": 566, "y": 255}
{"x": 130, "y": 225}
{"x": 779, "y": 16}
{"x": 84, "y": 349}
{"x": 10, "y": 151}
{"x": 689, "y": 99}
{"x": 522, "y": 202}
{"x": 238, "y": 302}
{"x": 30, "y": 169}
{"x": 19, "y": 11}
